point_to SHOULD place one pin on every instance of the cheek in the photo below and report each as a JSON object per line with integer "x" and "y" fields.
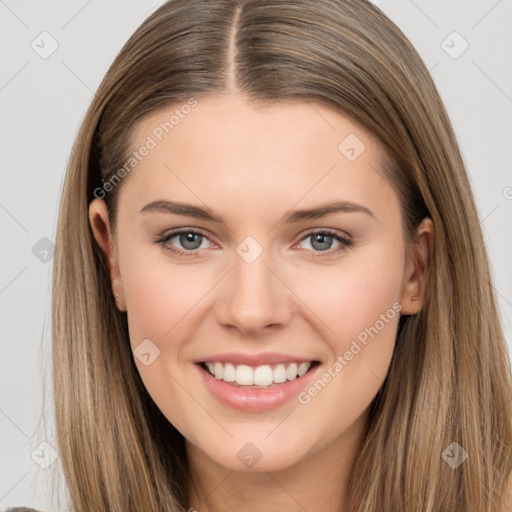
{"x": 341, "y": 304}
{"x": 159, "y": 294}
{"x": 351, "y": 296}
{"x": 162, "y": 302}
{"x": 358, "y": 303}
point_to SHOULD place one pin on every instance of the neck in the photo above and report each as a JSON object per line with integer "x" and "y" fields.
{"x": 316, "y": 483}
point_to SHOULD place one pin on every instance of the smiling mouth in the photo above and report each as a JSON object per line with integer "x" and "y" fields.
{"x": 263, "y": 376}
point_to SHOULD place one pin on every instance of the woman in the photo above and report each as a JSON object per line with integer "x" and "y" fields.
{"x": 270, "y": 283}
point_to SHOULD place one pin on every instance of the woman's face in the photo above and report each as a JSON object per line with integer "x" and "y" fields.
{"x": 263, "y": 242}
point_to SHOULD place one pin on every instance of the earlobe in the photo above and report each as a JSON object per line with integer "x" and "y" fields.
{"x": 100, "y": 225}
{"x": 415, "y": 277}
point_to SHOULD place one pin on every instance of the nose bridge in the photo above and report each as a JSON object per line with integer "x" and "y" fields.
{"x": 253, "y": 298}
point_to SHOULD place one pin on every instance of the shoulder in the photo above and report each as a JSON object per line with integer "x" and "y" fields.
{"x": 21, "y": 509}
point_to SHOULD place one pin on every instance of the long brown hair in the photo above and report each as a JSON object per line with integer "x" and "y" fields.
{"x": 449, "y": 379}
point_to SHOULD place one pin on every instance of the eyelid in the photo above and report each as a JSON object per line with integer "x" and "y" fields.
{"x": 178, "y": 231}
{"x": 345, "y": 240}
{"x": 334, "y": 232}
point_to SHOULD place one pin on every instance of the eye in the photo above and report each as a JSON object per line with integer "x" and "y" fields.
{"x": 322, "y": 241}
{"x": 188, "y": 241}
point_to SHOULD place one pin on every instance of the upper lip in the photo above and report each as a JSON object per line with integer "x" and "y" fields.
{"x": 254, "y": 359}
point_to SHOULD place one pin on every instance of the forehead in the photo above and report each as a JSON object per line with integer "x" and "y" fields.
{"x": 283, "y": 124}
{"x": 226, "y": 150}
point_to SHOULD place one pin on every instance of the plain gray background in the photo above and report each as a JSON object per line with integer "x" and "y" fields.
{"x": 43, "y": 100}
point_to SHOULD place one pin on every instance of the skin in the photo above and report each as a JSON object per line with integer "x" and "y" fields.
{"x": 285, "y": 157}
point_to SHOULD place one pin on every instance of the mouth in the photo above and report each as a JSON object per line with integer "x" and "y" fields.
{"x": 256, "y": 382}
{"x": 258, "y": 377}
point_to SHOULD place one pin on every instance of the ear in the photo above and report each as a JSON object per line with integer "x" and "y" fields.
{"x": 415, "y": 275}
{"x": 100, "y": 224}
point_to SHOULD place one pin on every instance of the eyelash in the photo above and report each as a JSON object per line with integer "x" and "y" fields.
{"x": 344, "y": 242}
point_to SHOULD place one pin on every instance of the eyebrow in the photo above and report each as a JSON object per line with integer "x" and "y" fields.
{"x": 291, "y": 217}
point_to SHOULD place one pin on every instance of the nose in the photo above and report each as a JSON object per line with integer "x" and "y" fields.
{"x": 253, "y": 298}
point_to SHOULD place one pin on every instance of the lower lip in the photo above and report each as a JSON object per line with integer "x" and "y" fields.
{"x": 256, "y": 399}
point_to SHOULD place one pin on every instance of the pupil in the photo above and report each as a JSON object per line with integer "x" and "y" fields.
{"x": 322, "y": 239}
{"x": 189, "y": 240}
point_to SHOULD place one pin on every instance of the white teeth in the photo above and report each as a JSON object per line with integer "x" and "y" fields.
{"x": 264, "y": 375}
{"x": 244, "y": 375}
{"x": 229, "y": 374}
{"x": 280, "y": 373}
{"x": 302, "y": 369}
{"x": 218, "y": 369}
{"x": 291, "y": 371}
